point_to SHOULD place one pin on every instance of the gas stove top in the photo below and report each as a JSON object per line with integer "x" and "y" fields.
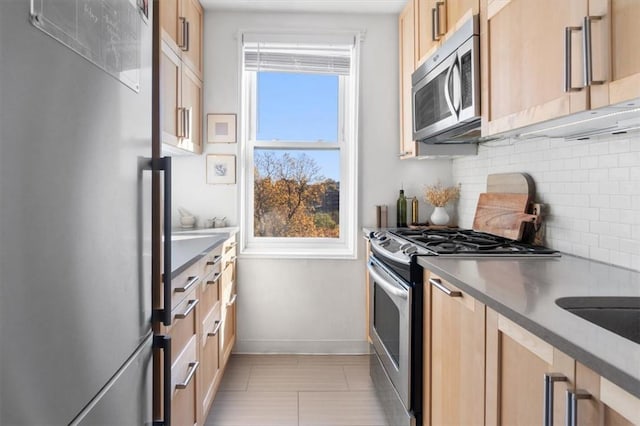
{"x": 460, "y": 242}
{"x": 401, "y": 244}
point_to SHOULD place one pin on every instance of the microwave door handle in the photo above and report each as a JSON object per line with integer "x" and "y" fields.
{"x": 456, "y": 75}
{"x": 447, "y": 94}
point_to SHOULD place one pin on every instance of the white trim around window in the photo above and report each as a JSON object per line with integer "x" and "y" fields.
{"x": 343, "y": 247}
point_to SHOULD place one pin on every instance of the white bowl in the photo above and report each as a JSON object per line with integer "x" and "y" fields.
{"x": 187, "y": 221}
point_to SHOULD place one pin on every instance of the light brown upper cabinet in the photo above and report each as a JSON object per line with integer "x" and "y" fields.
{"x": 181, "y": 103}
{"x": 408, "y": 57}
{"x": 615, "y": 57}
{"x": 182, "y": 26}
{"x": 436, "y": 19}
{"x": 547, "y": 59}
{"x": 454, "y": 329}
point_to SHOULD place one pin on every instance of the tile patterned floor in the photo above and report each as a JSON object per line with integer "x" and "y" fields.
{"x": 296, "y": 390}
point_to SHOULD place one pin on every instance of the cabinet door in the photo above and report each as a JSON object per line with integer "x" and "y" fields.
{"x": 228, "y": 299}
{"x": 606, "y": 404}
{"x": 424, "y": 36}
{"x": 407, "y": 51}
{"x": 185, "y": 375}
{"x": 456, "y": 9}
{"x": 192, "y": 110}
{"x": 171, "y": 82}
{"x": 457, "y": 356}
{"x": 169, "y": 22}
{"x": 526, "y": 62}
{"x": 615, "y": 40}
{"x": 192, "y": 47}
{"x": 210, "y": 357}
{"x": 519, "y": 365}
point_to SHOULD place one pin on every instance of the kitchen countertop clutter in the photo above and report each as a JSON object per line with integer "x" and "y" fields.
{"x": 525, "y": 291}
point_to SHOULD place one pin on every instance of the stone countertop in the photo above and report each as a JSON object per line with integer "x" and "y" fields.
{"x": 189, "y": 246}
{"x": 525, "y": 290}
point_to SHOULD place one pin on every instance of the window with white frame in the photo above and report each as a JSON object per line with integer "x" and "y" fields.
{"x": 299, "y": 96}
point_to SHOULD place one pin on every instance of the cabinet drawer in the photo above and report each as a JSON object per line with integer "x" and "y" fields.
{"x": 184, "y": 377}
{"x": 210, "y": 356}
{"x": 209, "y": 293}
{"x": 184, "y": 283}
{"x": 184, "y": 324}
{"x": 229, "y": 248}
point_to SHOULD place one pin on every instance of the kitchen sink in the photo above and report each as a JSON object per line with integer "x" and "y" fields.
{"x": 620, "y": 315}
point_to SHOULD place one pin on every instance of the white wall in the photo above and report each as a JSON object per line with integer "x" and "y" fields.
{"x": 591, "y": 187}
{"x": 307, "y": 306}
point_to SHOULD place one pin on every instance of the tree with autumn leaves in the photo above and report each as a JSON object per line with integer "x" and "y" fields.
{"x": 288, "y": 197}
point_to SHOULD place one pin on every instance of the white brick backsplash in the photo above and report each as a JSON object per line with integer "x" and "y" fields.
{"x": 591, "y": 187}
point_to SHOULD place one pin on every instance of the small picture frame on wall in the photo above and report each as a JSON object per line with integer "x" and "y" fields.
{"x": 221, "y": 128}
{"x": 221, "y": 169}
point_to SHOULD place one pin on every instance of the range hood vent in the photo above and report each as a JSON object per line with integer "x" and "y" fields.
{"x": 613, "y": 119}
{"x": 425, "y": 151}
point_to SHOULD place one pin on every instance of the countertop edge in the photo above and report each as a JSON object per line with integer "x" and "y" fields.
{"x": 218, "y": 238}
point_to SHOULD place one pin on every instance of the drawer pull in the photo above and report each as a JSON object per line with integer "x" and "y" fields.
{"x": 230, "y": 246}
{"x": 230, "y": 262}
{"x": 190, "y": 282}
{"x": 572, "y": 405}
{"x": 549, "y": 380}
{"x": 190, "y": 307}
{"x": 215, "y": 260}
{"x": 193, "y": 366}
{"x": 233, "y": 300}
{"x": 215, "y": 329}
{"x": 437, "y": 283}
{"x": 215, "y": 278}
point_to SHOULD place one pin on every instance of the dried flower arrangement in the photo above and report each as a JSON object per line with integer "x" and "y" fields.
{"x": 439, "y": 196}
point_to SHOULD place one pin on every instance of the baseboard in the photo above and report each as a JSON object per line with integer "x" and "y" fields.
{"x": 336, "y": 347}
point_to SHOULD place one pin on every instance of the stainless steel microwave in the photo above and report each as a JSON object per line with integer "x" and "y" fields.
{"x": 446, "y": 90}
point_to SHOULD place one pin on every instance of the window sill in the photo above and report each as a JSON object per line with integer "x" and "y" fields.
{"x": 292, "y": 252}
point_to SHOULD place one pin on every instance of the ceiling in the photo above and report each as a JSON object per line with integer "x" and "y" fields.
{"x": 313, "y": 6}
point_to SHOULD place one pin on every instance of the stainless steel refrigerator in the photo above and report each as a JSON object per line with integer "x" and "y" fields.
{"x": 75, "y": 212}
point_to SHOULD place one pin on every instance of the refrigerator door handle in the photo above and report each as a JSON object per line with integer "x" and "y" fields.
{"x": 164, "y": 164}
{"x": 164, "y": 343}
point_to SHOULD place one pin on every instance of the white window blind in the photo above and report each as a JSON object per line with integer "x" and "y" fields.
{"x": 293, "y": 53}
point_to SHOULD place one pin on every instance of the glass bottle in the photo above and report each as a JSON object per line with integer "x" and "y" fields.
{"x": 401, "y": 211}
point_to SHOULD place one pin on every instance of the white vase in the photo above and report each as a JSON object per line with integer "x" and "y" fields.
{"x": 439, "y": 216}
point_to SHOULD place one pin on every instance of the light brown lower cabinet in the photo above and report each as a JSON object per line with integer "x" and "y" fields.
{"x": 517, "y": 364}
{"x": 481, "y": 368}
{"x": 529, "y": 382}
{"x": 202, "y": 333}
{"x": 454, "y": 376}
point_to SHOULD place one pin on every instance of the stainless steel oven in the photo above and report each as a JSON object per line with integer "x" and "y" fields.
{"x": 395, "y": 292}
{"x": 446, "y": 90}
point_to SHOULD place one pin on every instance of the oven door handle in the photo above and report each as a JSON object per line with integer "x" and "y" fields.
{"x": 387, "y": 286}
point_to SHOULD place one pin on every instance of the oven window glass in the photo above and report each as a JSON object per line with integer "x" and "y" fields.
{"x": 430, "y": 103}
{"x": 386, "y": 321}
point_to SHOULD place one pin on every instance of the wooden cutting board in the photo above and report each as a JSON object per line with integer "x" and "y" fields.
{"x": 502, "y": 214}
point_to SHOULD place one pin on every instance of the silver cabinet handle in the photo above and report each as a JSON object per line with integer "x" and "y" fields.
{"x": 181, "y": 123}
{"x": 184, "y": 45}
{"x": 230, "y": 262}
{"x": 188, "y": 116}
{"x": 190, "y": 307}
{"x": 437, "y": 283}
{"x": 193, "y": 366}
{"x": 568, "y": 85}
{"x": 402, "y": 154}
{"x": 549, "y": 380}
{"x": 233, "y": 300}
{"x": 215, "y": 260}
{"x": 436, "y": 34}
{"x": 190, "y": 282}
{"x": 215, "y": 330}
{"x": 572, "y": 405}
{"x": 215, "y": 278}
{"x": 230, "y": 246}
{"x": 587, "y": 51}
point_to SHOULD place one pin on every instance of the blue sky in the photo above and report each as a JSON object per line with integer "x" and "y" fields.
{"x": 302, "y": 107}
